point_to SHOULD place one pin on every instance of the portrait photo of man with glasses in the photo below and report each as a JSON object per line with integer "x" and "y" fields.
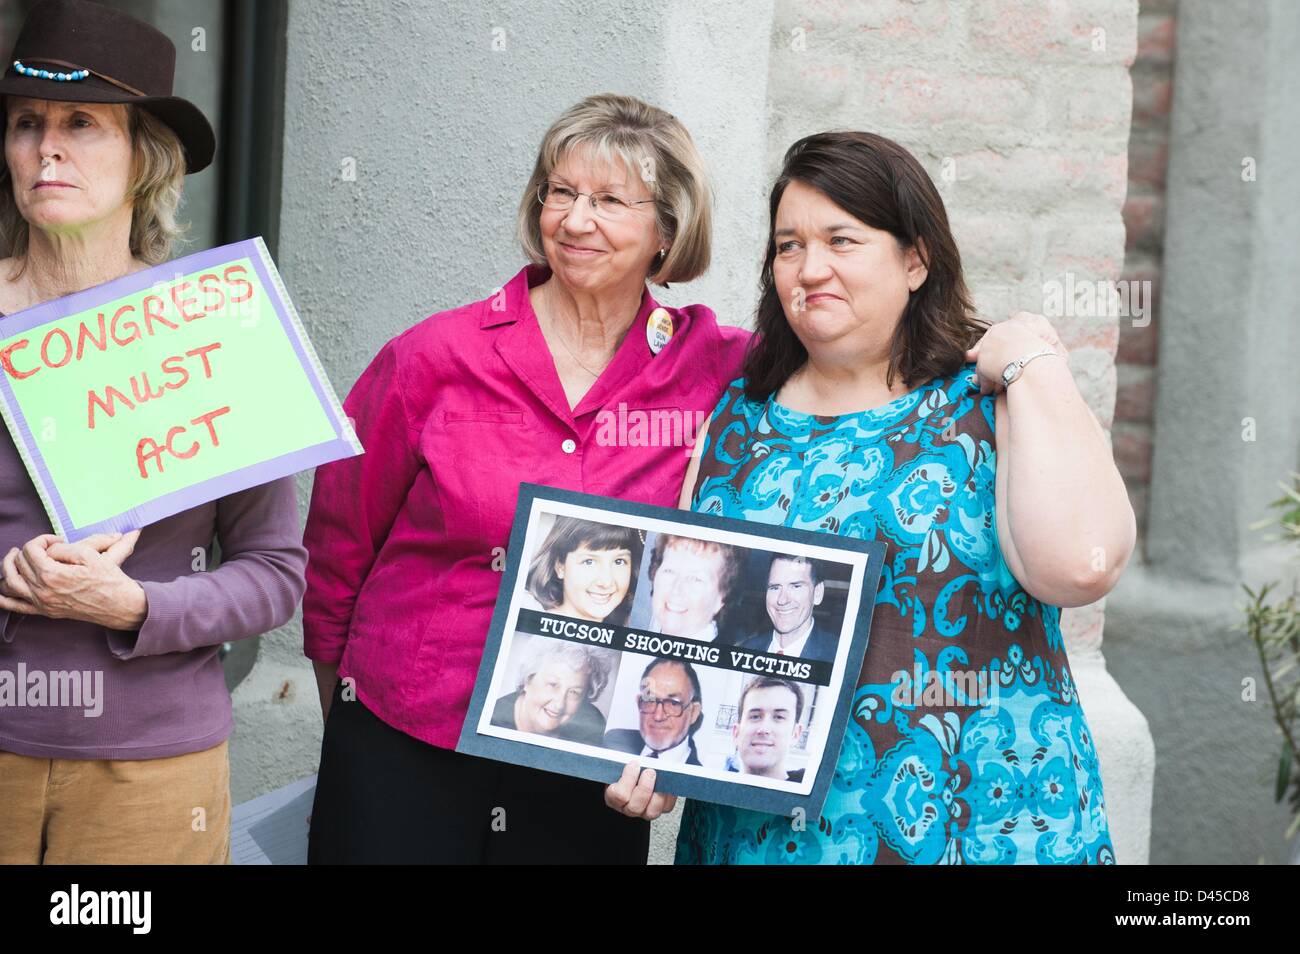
{"x": 671, "y": 709}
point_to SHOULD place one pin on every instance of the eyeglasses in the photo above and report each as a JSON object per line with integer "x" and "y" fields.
{"x": 672, "y": 707}
{"x": 606, "y": 205}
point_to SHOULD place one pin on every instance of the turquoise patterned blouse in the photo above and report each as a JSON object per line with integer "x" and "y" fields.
{"x": 966, "y": 743}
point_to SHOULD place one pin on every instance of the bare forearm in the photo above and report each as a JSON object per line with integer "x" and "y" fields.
{"x": 1066, "y": 506}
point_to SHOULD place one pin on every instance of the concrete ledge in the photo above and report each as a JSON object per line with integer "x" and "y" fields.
{"x": 1174, "y": 648}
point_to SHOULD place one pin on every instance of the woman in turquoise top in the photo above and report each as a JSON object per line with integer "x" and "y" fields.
{"x": 875, "y": 405}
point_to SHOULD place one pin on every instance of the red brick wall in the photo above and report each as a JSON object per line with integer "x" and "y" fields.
{"x": 1144, "y": 215}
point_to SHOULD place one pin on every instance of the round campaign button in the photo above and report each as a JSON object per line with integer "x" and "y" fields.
{"x": 658, "y": 329}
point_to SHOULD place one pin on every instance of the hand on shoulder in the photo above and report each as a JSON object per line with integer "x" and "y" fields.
{"x": 1019, "y": 336}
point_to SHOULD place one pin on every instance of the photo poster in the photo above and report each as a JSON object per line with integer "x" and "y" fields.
{"x": 624, "y": 630}
{"x": 166, "y": 389}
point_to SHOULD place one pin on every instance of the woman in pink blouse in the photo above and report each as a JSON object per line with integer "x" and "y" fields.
{"x": 407, "y": 541}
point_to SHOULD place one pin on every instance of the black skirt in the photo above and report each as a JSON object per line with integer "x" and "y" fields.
{"x": 384, "y": 797}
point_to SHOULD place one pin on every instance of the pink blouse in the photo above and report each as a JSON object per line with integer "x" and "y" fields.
{"x": 406, "y": 542}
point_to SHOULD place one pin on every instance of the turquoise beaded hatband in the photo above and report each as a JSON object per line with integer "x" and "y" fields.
{"x": 46, "y": 74}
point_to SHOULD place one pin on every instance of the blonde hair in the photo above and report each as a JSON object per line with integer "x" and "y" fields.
{"x": 154, "y": 191}
{"x": 656, "y": 148}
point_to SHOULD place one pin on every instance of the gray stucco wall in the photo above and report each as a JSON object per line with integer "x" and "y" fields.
{"x": 1229, "y": 343}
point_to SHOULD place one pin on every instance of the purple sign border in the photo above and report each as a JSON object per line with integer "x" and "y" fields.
{"x": 187, "y": 497}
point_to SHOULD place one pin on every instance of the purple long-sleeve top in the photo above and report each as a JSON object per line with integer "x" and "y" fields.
{"x": 161, "y": 690}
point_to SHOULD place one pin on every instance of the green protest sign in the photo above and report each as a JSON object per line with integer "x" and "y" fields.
{"x": 165, "y": 389}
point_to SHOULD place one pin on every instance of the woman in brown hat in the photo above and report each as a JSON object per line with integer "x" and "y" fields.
{"x": 114, "y": 713}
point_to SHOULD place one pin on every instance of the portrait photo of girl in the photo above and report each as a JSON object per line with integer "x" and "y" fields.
{"x": 585, "y": 570}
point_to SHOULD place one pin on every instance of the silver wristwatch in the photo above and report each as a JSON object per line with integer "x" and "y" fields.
{"x": 1013, "y": 370}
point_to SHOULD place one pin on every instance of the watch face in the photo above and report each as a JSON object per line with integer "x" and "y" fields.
{"x": 1009, "y": 373}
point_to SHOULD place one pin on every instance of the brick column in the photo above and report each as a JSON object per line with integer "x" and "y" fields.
{"x": 1144, "y": 220}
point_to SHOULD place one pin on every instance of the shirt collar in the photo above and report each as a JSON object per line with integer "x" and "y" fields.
{"x": 678, "y": 753}
{"x": 505, "y": 305}
{"x": 523, "y": 347}
{"x": 508, "y": 304}
{"x": 795, "y": 648}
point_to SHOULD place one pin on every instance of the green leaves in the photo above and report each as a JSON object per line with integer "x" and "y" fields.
{"x": 1274, "y": 627}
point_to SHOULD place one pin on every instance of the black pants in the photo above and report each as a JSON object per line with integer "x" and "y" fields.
{"x": 383, "y": 797}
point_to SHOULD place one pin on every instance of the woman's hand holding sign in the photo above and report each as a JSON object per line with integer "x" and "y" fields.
{"x": 82, "y": 580}
{"x": 637, "y": 797}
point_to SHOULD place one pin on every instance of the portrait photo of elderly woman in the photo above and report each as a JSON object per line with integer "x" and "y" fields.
{"x": 454, "y": 414}
{"x": 95, "y": 159}
{"x": 558, "y": 682}
{"x": 585, "y": 570}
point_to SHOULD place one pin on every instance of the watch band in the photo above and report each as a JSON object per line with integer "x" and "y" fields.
{"x": 1014, "y": 369}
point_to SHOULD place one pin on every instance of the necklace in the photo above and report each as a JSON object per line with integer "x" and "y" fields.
{"x": 556, "y": 328}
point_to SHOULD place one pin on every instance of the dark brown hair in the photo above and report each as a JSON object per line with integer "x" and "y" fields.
{"x": 814, "y": 570}
{"x": 569, "y": 534}
{"x": 771, "y": 682}
{"x": 880, "y": 183}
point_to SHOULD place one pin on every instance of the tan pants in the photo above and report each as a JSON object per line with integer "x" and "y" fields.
{"x": 149, "y": 811}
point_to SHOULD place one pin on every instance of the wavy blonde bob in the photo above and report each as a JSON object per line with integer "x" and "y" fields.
{"x": 154, "y": 191}
{"x": 656, "y": 148}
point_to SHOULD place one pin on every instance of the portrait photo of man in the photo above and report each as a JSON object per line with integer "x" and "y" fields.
{"x": 769, "y": 721}
{"x": 794, "y": 588}
{"x": 670, "y": 707}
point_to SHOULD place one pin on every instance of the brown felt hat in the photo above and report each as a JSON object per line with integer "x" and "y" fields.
{"x": 105, "y": 56}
